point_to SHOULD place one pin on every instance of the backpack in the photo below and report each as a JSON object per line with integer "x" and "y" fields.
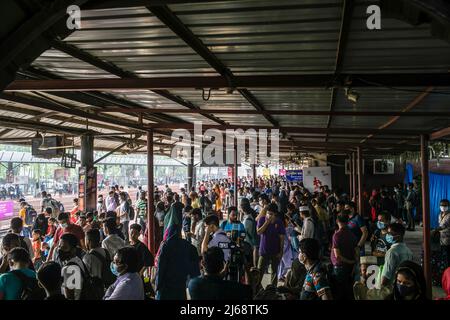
{"x": 93, "y": 288}
{"x": 55, "y": 205}
{"x": 30, "y": 287}
{"x": 30, "y": 215}
{"x": 108, "y": 278}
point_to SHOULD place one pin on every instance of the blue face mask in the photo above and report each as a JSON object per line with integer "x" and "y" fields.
{"x": 390, "y": 239}
{"x": 381, "y": 225}
{"x": 114, "y": 271}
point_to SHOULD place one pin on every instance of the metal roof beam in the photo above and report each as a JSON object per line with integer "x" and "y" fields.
{"x": 309, "y": 130}
{"x": 164, "y": 14}
{"x": 346, "y": 20}
{"x": 440, "y": 134}
{"x": 113, "y": 69}
{"x": 70, "y": 111}
{"x": 281, "y": 112}
{"x": 272, "y": 82}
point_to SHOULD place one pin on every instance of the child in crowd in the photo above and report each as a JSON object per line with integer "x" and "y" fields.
{"x": 52, "y": 226}
{"x": 37, "y": 250}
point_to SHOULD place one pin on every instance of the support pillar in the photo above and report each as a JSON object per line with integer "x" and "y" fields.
{"x": 350, "y": 175}
{"x": 190, "y": 171}
{"x": 355, "y": 175}
{"x": 152, "y": 236}
{"x": 88, "y": 192}
{"x": 360, "y": 182}
{"x": 235, "y": 177}
{"x": 254, "y": 175}
{"x": 426, "y": 212}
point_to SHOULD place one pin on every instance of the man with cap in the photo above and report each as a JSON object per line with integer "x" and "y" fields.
{"x": 308, "y": 224}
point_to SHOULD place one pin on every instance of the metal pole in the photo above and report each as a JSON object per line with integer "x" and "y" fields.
{"x": 190, "y": 170}
{"x": 426, "y": 212}
{"x": 254, "y": 175}
{"x": 235, "y": 177}
{"x": 355, "y": 176}
{"x": 350, "y": 175}
{"x": 360, "y": 191}
{"x": 150, "y": 187}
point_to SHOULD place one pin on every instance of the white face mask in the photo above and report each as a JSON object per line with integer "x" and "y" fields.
{"x": 444, "y": 209}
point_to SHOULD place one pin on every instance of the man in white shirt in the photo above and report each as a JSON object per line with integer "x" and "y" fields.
{"x": 112, "y": 242}
{"x": 124, "y": 214}
{"x": 308, "y": 224}
{"x": 111, "y": 203}
{"x": 219, "y": 237}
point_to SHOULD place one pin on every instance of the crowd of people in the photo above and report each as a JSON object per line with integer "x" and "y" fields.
{"x": 312, "y": 245}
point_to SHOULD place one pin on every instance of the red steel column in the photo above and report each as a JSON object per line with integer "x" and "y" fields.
{"x": 350, "y": 175}
{"x": 360, "y": 183}
{"x": 235, "y": 177}
{"x": 355, "y": 175}
{"x": 254, "y": 175}
{"x": 150, "y": 204}
{"x": 426, "y": 212}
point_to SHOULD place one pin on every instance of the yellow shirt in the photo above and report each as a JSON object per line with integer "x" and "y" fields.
{"x": 22, "y": 214}
{"x": 322, "y": 213}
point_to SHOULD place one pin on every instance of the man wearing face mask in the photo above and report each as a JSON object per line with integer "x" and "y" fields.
{"x": 129, "y": 285}
{"x": 316, "y": 285}
{"x": 444, "y": 227}
{"x": 65, "y": 226}
{"x": 398, "y": 253}
{"x": 378, "y": 242}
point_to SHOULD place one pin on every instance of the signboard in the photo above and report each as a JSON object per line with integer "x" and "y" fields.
{"x": 61, "y": 175}
{"x": 6, "y": 210}
{"x": 381, "y": 166}
{"x": 266, "y": 172}
{"x": 230, "y": 173}
{"x": 87, "y": 189}
{"x": 282, "y": 172}
{"x": 294, "y": 175}
{"x": 315, "y": 177}
{"x": 21, "y": 180}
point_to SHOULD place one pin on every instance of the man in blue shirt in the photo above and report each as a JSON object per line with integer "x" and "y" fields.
{"x": 11, "y": 285}
{"x": 234, "y": 229}
{"x": 357, "y": 226}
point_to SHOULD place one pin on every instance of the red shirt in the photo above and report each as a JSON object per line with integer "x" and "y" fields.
{"x": 71, "y": 228}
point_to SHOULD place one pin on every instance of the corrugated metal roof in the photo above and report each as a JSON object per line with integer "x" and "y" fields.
{"x": 252, "y": 37}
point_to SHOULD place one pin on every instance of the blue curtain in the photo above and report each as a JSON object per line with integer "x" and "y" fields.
{"x": 409, "y": 173}
{"x": 439, "y": 189}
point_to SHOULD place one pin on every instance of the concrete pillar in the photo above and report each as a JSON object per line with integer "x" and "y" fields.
{"x": 88, "y": 199}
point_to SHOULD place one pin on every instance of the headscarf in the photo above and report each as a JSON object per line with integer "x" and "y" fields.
{"x": 446, "y": 283}
{"x": 171, "y": 233}
{"x": 173, "y": 216}
{"x": 416, "y": 271}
